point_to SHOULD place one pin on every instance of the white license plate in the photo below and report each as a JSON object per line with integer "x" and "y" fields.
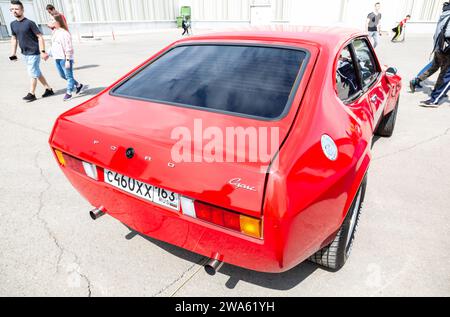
{"x": 145, "y": 191}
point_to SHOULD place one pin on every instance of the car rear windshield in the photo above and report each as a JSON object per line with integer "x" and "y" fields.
{"x": 246, "y": 80}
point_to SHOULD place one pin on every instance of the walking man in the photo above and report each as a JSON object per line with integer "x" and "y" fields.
{"x": 373, "y": 25}
{"x": 441, "y": 60}
{"x": 53, "y": 12}
{"x": 27, "y": 35}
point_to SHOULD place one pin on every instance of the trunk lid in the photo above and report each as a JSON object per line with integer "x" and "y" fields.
{"x": 101, "y": 130}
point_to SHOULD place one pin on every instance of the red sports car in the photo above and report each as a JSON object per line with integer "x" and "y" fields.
{"x": 250, "y": 148}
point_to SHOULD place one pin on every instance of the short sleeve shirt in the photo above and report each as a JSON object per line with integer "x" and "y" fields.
{"x": 26, "y": 32}
{"x": 374, "y": 20}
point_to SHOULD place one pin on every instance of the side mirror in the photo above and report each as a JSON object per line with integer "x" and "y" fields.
{"x": 391, "y": 71}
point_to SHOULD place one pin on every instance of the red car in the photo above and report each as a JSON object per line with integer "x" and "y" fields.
{"x": 250, "y": 148}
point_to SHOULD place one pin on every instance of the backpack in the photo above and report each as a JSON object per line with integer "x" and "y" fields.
{"x": 443, "y": 42}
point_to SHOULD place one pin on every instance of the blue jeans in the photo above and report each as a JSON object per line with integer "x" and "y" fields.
{"x": 67, "y": 74}
{"x": 375, "y": 36}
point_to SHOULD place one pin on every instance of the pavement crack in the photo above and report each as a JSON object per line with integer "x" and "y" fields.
{"x": 51, "y": 234}
{"x": 190, "y": 277}
{"x": 24, "y": 126}
{"x": 414, "y": 145}
{"x": 83, "y": 276}
{"x": 41, "y": 207}
{"x": 200, "y": 263}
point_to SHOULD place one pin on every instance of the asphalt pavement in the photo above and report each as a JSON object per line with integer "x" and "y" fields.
{"x": 49, "y": 246}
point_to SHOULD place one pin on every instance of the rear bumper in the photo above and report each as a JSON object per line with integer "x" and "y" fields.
{"x": 183, "y": 231}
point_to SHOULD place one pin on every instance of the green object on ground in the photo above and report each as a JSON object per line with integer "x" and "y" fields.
{"x": 179, "y": 22}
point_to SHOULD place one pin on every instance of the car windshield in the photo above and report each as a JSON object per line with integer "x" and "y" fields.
{"x": 246, "y": 80}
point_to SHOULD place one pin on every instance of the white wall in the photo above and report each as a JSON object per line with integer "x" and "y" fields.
{"x": 322, "y": 12}
{"x": 216, "y": 13}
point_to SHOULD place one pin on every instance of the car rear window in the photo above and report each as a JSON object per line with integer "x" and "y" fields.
{"x": 246, "y": 80}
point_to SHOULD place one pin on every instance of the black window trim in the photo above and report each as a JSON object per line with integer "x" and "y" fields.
{"x": 361, "y": 89}
{"x": 283, "y": 115}
{"x": 367, "y": 87}
{"x": 359, "y": 92}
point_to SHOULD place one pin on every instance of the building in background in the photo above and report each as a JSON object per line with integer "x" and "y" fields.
{"x": 103, "y": 16}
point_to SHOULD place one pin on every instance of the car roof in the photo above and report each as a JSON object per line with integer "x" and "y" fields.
{"x": 325, "y": 37}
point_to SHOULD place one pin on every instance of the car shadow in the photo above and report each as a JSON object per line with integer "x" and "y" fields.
{"x": 279, "y": 281}
{"x": 276, "y": 281}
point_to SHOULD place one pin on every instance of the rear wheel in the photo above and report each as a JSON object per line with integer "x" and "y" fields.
{"x": 387, "y": 125}
{"x": 336, "y": 254}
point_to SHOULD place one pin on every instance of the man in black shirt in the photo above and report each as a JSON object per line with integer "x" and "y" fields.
{"x": 27, "y": 35}
{"x": 373, "y": 25}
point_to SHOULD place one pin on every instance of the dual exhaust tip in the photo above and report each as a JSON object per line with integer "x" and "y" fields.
{"x": 211, "y": 267}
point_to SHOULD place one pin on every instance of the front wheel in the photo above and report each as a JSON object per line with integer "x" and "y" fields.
{"x": 336, "y": 254}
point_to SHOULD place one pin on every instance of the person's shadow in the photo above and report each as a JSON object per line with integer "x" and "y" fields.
{"x": 86, "y": 67}
{"x": 87, "y": 92}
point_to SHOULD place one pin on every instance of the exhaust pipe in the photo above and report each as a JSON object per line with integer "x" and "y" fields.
{"x": 96, "y": 213}
{"x": 212, "y": 266}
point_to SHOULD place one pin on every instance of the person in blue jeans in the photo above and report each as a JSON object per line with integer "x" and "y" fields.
{"x": 439, "y": 93}
{"x": 373, "y": 25}
{"x": 63, "y": 53}
{"x": 26, "y": 34}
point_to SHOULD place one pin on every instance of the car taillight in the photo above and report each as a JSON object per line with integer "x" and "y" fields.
{"x": 60, "y": 157}
{"x": 247, "y": 225}
{"x": 77, "y": 165}
{"x": 250, "y": 226}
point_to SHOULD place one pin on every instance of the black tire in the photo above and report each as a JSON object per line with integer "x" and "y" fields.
{"x": 336, "y": 254}
{"x": 387, "y": 125}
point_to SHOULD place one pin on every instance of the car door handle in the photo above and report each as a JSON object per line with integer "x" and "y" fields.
{"x": 374, "y": 98}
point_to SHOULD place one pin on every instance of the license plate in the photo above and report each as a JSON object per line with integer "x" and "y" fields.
{"x": 145, "y": 191}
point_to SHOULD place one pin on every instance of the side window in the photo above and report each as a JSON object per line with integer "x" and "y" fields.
{"x": 346, "y": 80}
{"x": 366, "y": 61}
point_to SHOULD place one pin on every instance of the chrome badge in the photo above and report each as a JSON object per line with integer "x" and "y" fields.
{"x": 329, "y": 147}
{"x": 236, "y": 182}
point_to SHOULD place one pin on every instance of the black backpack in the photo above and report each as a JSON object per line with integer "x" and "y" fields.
{"x": 443, "y": 42}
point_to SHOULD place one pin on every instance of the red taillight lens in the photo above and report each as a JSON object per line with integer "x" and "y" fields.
{"x": 77, "y": 165}
{"x": 74, "y": 163}
{"x": 203, "y": 211}
{"x": 228, "y": 219}
{"x": 232, "y": 221}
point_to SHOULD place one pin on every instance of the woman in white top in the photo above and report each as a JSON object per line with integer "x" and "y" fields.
{"x": 62, "y": 51}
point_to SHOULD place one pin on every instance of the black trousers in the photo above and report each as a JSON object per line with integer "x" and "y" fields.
{"x": 398, "y": 31}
